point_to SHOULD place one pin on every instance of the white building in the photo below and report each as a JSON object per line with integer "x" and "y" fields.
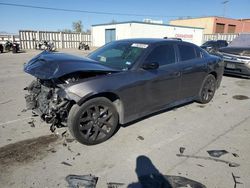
{"x": 104, "y": 33}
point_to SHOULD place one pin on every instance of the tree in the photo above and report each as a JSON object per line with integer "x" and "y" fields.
{"x": 77, "y": 26}
{"x": 88, "y": 31}
{"x": 65, "y": 30}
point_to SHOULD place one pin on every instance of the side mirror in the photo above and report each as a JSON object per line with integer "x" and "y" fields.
{"x": 150, "y": 66}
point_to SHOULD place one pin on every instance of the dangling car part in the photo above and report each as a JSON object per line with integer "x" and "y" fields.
{"x": 93, "y": 95}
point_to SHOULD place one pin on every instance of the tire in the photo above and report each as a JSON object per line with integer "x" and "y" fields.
{"x": 14, "y": 50}
{"x": 207, "y": 89}
{"x": 93, "y": 122}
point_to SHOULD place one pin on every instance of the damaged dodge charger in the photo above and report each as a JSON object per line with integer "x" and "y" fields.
{"x": 118, "y": 83}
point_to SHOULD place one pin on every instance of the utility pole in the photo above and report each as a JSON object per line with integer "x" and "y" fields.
{"x": 224, "y": 7}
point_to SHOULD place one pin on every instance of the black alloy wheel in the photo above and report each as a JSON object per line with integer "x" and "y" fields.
{"x": 93, "y": 122}
{"x": 207, "y": 90}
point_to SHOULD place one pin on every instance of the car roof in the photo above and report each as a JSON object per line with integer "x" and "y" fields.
{"x": 151, "y": 40}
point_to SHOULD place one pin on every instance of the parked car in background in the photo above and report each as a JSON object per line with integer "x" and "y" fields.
{"x": 1, "y": 48}
{"x": 237, "y": 56}
{"x": 212, "y": 46}
{"x": 118, "y": 83}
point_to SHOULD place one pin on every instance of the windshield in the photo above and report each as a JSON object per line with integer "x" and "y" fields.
{"x": 243, "y": 40}
{"x": 119, "y": 55}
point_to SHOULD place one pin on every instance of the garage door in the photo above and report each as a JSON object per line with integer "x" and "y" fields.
{"x": 109, "y": 35}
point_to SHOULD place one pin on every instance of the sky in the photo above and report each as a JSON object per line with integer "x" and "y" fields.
{"x": 14, "y": 18}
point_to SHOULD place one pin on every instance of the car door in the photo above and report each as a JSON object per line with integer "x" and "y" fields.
{"x": 192, "y": 68}
{"x": 162, "y": 85}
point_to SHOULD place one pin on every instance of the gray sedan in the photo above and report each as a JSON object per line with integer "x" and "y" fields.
{"x": 118, "y": 83}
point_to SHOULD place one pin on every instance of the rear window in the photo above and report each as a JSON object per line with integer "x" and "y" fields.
{"x": 187, "y": 52}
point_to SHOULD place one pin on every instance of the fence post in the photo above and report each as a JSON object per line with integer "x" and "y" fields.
{"x": 37, "y": 36}
{"x": 61, "y": 39}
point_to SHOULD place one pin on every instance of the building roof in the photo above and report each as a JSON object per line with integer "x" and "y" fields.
{"x": 138, "y": 22}
{"x": 244, "y": 19}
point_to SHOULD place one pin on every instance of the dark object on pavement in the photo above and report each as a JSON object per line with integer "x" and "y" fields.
{"x": 114, "y": 185}
{"x": 217, "y": 153}
{"x": 83, "y": 46}
{"x": 76, "y": 181}
{"x": 231, "y": 164}
{"x": 200, "y": 165}
{"x": 237, "y": 56}
{"x": 182, "y": 149}
{"x": 93, "y": 95}
{"x": 212, "y": 46}
{"x": 140, "y": 138}
{"x": 240, "y": 97}
{"x": 235, "y": 154}
{"x": 65, "y": 163}
{"x": 32, "y": 122}
{"x": 235, "y": 180}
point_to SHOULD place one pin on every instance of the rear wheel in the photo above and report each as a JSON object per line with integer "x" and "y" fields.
{"x": 207, "y": 90}
{"x": 93, "y": 122}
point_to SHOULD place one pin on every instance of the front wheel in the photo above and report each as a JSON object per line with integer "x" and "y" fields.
{"x": 207, "y": 89}
{"x": 93, "y": 122}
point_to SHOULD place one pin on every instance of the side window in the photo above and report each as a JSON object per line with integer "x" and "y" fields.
{"x": 199, "y": 53}
{"x": 187, "y": 52}
{"x": 164, "y": 55}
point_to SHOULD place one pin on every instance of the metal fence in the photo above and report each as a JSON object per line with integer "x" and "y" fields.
{"x": 29, "y": 39}
{"x": 220, "y": 36}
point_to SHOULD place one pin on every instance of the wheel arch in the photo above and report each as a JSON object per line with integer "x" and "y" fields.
{"x": 113, "y": 97}
{"x": 214, "y": 74}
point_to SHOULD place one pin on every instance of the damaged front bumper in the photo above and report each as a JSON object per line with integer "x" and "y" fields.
{"x": 49, "y": 102}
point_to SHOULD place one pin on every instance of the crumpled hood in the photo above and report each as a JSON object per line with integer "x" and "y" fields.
{"x": 242, "y": 51}
{"x": 48, "y": 65}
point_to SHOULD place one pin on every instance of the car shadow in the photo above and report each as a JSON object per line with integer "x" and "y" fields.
{"x": 150, "y": 177}
{"x": 235, "y": 76}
